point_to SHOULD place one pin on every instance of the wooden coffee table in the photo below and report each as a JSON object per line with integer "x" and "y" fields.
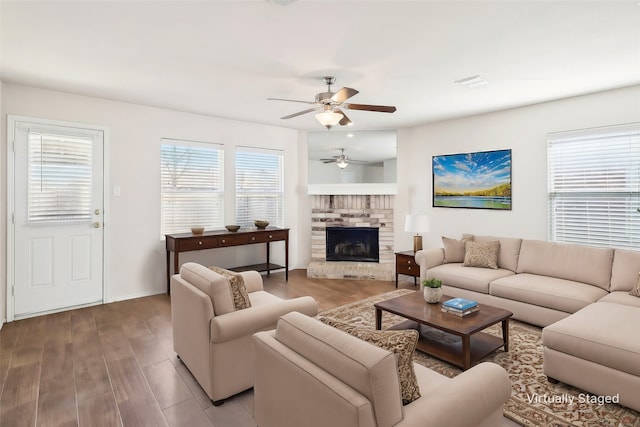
{"x": 463, "y": 344}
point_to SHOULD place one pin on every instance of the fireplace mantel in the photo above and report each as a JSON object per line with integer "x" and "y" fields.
{"x": 353, "y": 189}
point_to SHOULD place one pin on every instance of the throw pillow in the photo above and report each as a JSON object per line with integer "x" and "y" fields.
{"x": 402, "y": 343}
{"x": 454, "y": 249}
{"x": 636, "y": 289}
{"x": 238, "y": 290}
{"x": 481, "y": 254}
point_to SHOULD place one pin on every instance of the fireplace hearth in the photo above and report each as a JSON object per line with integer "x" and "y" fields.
{"x": 359, "y": 244}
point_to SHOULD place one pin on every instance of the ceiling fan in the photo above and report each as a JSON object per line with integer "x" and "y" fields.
{"x": 330, "y": 105}
{"x": 342, "y": 160}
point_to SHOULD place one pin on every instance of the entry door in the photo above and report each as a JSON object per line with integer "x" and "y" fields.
{"x": 58, "y": 217}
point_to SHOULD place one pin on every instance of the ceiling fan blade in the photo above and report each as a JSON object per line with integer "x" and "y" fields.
{"x": 365, "y": 107}
{"x": 289, "y": 100}
{"x": 299, "y": 113}
{"x": 345, "y": 121}
{"x": 343, "y": 94}
{"x": 328, "y": 160}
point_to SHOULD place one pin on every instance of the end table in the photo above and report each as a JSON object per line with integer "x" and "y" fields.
{"x": 406, "y": 264}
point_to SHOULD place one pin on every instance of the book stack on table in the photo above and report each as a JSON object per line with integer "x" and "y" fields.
{"x": 460, "y": 306}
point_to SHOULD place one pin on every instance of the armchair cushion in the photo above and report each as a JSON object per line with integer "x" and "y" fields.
{"x": 238, "y": 290}
{"x": 402, "y": 343}
{"x": 211, "y": 283}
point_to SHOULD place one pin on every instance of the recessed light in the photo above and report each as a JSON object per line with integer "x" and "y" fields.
{"x": 350, "y": 135}
{"x": 473, "y": 81}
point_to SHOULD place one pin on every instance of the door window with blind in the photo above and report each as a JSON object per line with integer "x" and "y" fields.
{"x": 60, "y": 180}
{"x": 594, "y": 179}
{"x": 191, "y": 185}
{"x": 259, "y": 186}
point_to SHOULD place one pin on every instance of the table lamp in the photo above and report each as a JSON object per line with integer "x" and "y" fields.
{"x": 416, "y": 223}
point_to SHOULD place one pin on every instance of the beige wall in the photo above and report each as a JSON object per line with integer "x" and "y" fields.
{"x": 524, "y": 130}
{"x": 136, "y": 254}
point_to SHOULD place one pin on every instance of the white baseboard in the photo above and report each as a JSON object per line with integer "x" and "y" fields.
{"x": 137, "y": 295}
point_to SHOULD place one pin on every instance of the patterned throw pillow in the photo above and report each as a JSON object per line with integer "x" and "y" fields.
{"x": 238, "y": 290}
{"x": 402, "y": 343}
{"x": 454, "y": 249}
{"x": 481, "y": 254}
{"x": 636, "y": 289}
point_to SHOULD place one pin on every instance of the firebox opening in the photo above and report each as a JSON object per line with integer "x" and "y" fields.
{"x": 358, "y": 244}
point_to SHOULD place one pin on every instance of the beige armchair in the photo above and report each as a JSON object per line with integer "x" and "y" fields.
{"x": 213, "y": 339}
{"x": 313, "y": 375}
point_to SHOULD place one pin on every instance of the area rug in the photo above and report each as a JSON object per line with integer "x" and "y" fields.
{"x": 534, "y": 401}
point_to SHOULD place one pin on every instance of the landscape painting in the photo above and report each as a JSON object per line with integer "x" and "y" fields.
{"x": 480, "y": 180}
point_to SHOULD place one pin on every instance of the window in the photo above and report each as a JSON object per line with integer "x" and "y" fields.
{"x": 259, "y": 186}
{"x": 191, "y": 185}
{"x": 60, "y": 178}
{"x": 594, "y": 178}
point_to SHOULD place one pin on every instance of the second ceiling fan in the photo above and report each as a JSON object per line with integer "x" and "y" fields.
{"x": 331, "y": 105}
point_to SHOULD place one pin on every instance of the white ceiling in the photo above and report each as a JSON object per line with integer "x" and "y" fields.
{"x": 224, "y": 58}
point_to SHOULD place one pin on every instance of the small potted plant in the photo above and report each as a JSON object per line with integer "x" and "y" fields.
{"x": 432, "y": 290}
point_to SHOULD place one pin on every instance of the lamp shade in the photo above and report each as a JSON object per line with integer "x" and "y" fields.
{"x": 416, "y": 223}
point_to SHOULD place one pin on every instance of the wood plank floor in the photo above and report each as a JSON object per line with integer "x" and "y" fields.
{"x": 114, "y": 364}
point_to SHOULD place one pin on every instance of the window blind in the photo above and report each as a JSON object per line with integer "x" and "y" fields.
{"x": 594, "y": 186}
{"x": 259, "y": 186}
{"x": 191, "y": 185}
{"x": 60, "y": 179}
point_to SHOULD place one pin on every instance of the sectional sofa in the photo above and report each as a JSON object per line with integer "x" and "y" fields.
{"x": 580, "y": 296}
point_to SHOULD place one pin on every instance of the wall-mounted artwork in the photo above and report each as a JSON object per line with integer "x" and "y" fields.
{"x": 480, "y": 180}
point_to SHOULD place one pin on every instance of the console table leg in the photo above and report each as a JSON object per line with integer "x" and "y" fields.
{"x": 168, "y": 272}
{"x": 268, "y": 265}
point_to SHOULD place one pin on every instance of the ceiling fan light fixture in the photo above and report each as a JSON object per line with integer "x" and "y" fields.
{"x": 329, "y": 118}
{"x": 342, "y": 163}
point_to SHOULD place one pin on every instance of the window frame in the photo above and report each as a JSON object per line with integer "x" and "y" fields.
{"x": 217, "y": 186}
{"x": 598, "y": 201}
{"x": 246, "y": 220}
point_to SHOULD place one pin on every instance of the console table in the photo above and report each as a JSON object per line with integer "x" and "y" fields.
{"x": 184, "y": 242}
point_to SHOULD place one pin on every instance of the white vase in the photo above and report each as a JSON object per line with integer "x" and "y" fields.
{"x": 432, "y": 295}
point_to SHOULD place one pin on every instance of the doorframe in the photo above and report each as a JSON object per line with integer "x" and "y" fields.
{"x": 10, "y": 279}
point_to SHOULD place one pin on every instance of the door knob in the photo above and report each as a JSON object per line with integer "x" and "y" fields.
{"x": 96, "y": 225}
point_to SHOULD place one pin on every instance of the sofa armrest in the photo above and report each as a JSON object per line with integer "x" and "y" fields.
{"x": 254, "y": 319}
{"x": 252, "y": 281}
{"x": 429, "y": 258}
{"x": 481, "y": 391}
{"x": 191, "y": 311}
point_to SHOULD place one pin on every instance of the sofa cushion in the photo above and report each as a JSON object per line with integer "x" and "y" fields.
{"x": 567, "y": 261}
{"x": 454, "y": 249}
{"x": 621, "y": 297}
{"x": 212, "y": 284}
{"x": 624, "y": 272}
{"x": 550, "y": 292}
{"x": 402, "y": 343}
{"x": 368, "y": 369}
{"x": 470, "y": 278}
{"x": 238, "y": 290}
{"x": 481, "y": 254}
{"x": 509, "y": 250}
{"x": 601, "y": 333}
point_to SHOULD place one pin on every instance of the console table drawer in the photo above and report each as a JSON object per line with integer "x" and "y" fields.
{"x": 197, "y": 244}
{"x": 269, "y": 235}
{"x": 241, "y": 239}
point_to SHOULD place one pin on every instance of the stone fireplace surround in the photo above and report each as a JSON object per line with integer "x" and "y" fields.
{"x": 352, "y": 211}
